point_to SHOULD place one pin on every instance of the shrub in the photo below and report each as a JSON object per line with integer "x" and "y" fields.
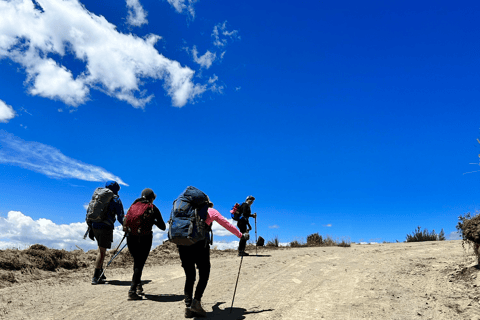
{"x": 274, "y": 242}
{"x": 329, "y": 242}
{"x": 296, "y": 243}
{"x": 419, "y": 235}
{"x": 314, "y": 240}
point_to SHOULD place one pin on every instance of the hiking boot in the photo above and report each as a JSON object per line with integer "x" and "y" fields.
{"x": 188, "y": 301}
{"x": 197, "y": 309}
{"x": 188, "y": 313}
{"x": 242, "y": 254}
{"x": 103, "y": 275}
{"x": 132, "y": 295}
{"x": 97, "y": 281}
{"x": 96, "y": 277}
{"x": 139, "y": 289}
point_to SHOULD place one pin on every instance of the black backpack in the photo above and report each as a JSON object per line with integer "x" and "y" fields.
{"x": 187, "y": 218}
{"x": 97, "y": 208}
{"x": 236, "y": 212}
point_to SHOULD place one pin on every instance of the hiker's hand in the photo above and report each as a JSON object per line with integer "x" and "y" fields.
{"x": 246, "y": 236}
{"x": 255, "y": 215}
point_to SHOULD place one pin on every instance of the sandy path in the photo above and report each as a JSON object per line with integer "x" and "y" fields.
{"x": 430, "y": 280}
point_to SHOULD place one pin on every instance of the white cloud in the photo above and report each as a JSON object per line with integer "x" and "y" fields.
{"x": 21, "y": 231}
{"x": 137, "y": 16}
{"x": 115, "y": 63}
{"x": 274, "y": 227}
{"x": 220, "y": 231}
{"x": 213, "y": 85}
{"x": 327, "y": 225}
{"x": 49, "y": 161}
{"x": 454, "y": 235}
{"x": 184, "y": 5}
{"x": 221, "y": 35}
{"x": 204, "y": 61}
{"x": 6, "y": 112}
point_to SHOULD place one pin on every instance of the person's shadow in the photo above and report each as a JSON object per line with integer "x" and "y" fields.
{"x": 125, "y": 283}
{"x": 165, "y": 297}
{"x": 230, "y": 313}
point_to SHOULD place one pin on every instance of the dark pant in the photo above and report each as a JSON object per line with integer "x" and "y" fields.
{"x": 197, "y": 254}
{"x": 139, "y": 247}
{"x": 242, "y": 226}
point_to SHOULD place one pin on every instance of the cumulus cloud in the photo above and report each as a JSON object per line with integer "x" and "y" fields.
{"x": 221, "y": 35}
{"x": 6, "y": 112}
{"x": 206, "y": 60}
{"x": 21, "y": 231}
{"x": 34, "y": 34}
{"x": 184, "y": 6}
{"x": 137, "y": 16}
{"x": 48, "y": 160}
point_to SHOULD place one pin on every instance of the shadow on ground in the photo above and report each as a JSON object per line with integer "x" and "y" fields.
{"x": 231, "y": 313}
{"x": 125, "y": 283}
{"x": 165, "y": 297}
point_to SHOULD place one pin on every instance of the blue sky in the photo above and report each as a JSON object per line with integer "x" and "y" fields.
{"x": 348, "y": 119}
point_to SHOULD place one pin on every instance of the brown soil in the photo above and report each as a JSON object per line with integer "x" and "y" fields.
{"x": 420, "y": 280}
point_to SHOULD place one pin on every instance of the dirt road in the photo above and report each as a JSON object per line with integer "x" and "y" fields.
{"x": 429, "y": 280}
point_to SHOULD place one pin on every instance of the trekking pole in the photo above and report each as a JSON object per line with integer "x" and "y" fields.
{"x": 231, "y": 308}
{"x": 116, "y": 254}
{"x": 255, "y": 234}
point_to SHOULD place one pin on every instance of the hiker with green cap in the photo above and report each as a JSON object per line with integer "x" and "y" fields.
{"x": 138, "y": 223}
{"x": 243, "y": 223}
{"x": 102, "y": 231}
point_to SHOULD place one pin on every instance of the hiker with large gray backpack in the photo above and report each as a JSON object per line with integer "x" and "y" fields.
{"x": 138, "y": 223}
{"x": 190, "y": 227}
{"x": 102, "y": 210}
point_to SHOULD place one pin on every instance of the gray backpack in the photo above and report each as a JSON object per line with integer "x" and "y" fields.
{"x": 96, "y": 211}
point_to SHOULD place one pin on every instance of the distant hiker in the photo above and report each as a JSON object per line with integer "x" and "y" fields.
{"x": 103, "y": 225}
{"x": 243, "y": 223}
{"x": 138, "y": 223}
{"x": 193, "y": 211}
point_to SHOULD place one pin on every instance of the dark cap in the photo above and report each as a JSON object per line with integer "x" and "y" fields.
{"x": 113, "y": 185}
{"x": 250, "y": 198}
{"x": 148, "y": 194}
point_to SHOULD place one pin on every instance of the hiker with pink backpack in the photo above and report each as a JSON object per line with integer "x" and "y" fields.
{"x": 138, "y": 223}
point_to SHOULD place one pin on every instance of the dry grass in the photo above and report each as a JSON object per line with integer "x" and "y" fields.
{"x": 316, "y": 240}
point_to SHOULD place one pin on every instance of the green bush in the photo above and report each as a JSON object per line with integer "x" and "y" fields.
{"x": 419, "y": 235}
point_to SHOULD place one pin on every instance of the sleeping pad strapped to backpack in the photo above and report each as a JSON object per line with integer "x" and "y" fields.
{"x": 187, "y": 219}
{"x": 97, "y": 207}
{"x": 139, "y": 218}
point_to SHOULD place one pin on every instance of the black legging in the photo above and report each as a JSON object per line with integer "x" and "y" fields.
{"x": 242, "y": 226}
{"x": 196, "y": 254}
{"x": 139, "y": 247}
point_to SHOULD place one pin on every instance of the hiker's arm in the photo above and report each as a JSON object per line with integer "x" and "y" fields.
{"x": 214, "y": 215}
{"x": 158, "y": 219}
{"x": 119, "y": 210}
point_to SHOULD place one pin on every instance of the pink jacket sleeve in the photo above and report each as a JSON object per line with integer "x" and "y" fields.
{"x": 214, "y": 215}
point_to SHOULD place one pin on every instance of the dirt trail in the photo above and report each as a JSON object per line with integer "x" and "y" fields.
{"x": 429, "y": 280}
